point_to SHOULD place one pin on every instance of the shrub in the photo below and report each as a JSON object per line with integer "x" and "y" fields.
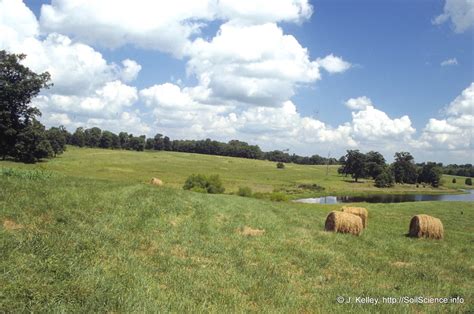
{"x": 278, "y": 197}
{"x": 259, "y": 195}
{"x": 198, "y": 189}
{"x": 468, "y": 181}
{"x": 384, "y": 180}
{"x": 280, "y": 165}
{"x": 244, "y": 191}
{"x": 204, "y": 184}
{"x": 454, "y": 180}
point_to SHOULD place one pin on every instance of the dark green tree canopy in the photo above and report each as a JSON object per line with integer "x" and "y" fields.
{"x": 375, "y": 164}
{"x": 404, "y": 168}
{"x": 355, "y": 164}
{"x": 19, "y": 129}
{"x": 430, "y": 173}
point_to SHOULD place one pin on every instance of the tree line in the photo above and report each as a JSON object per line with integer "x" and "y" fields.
{"x": 402, "y": 170}
{"x": 95, "y": 137}
{"x": 466, "y": 170}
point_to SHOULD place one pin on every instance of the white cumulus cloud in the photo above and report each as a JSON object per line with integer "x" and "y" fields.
{"x": 333, "y": 64}
{"x": 460, "y": 12}
{"x": 455, "y": 131}
{"x": 161, "y": 25}
{"x": 358, "y": 103}
{"x": 130, "y": 70}
{"x": 86, "y": 86}
{"x": 252, "y": 64}
{"x": 452, "y": 61}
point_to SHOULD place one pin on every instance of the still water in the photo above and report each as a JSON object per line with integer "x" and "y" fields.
{"x": 389, "y": 198}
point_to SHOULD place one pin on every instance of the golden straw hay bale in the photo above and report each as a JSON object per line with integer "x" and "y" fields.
{"x": 358, "y": 211}
{"x": 424, "y": 226}
{"x": 156, "y": 181}
{"x": 344, "y": 223}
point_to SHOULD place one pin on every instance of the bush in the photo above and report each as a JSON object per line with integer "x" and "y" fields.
{"x": 280, "y": 165}
{"x": 454, "y": 180}
{"x": 260, "y": 195}
{"x": 244, "y": 191}
{"x": 384, "y": 180}
{"x": 468, "y": 181}
{"x": 278, "y": 197}
{"x": 204, "y": 184}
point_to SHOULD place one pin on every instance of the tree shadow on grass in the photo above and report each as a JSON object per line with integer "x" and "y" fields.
{"x": 352, "y": 181}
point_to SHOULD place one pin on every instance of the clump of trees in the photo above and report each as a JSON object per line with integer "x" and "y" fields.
{"x": 430, "y": 173}
{"x": 360, "y": 165}
{"x": 402, "y": 170}
{"x": 22, "y": 137}
{"x": 280, "y": 165}
{"x": 468, "y": 181}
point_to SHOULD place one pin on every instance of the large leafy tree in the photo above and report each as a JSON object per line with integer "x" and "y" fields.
{"x": 18, "y": 86}
{"x": 375, "y": 164}
{"x": 404, "y": 169}
{"x": 78, "y": 137}
{"x": 92, "y": 136}
{"x": 32, "y": 143}
{"x": 57, "y": 138}
{"x": 355, "y": 164}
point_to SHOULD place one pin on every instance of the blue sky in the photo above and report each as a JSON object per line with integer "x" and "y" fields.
{"x": 398, "y": 52}
{"x": 390, "y": 52}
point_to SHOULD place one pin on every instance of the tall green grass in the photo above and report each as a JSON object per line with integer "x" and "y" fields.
{"x": 32, "y": 174}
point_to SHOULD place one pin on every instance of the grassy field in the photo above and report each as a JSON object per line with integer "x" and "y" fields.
{"x": 261, "y": 176}
{"x": 89, "y": 235}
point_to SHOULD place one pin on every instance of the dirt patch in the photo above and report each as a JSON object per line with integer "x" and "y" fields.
{"x": 11, "y": 225}
{"x": 148, "y": 249}
{"x": 179, "y": 252}
{"x": 250, "y": 232}
{"x": 399, "y": 264}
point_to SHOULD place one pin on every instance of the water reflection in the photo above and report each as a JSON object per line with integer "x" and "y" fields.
{"x": 389, "y": 198}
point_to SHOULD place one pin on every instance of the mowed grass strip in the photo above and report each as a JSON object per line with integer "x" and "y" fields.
{"x": 74, "y": 244}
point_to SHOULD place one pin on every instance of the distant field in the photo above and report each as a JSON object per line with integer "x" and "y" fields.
{"x": 92, "y": 236}
{"x": 173, "y": 168}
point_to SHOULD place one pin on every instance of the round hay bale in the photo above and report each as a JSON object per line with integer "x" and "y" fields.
{"x": 358, "y": 211}
{"x": 344, "y": 223}
{"x": 156, "y": 181}
{"x": 424, "y": 226}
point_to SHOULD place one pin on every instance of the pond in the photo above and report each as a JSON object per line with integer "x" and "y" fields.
{"x": 389, "y": 198}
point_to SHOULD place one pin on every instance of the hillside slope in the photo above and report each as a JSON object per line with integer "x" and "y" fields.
{"x": 87, "y": 245}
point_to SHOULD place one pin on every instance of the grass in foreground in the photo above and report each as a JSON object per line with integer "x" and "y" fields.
{"x": 88, "y": 245}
